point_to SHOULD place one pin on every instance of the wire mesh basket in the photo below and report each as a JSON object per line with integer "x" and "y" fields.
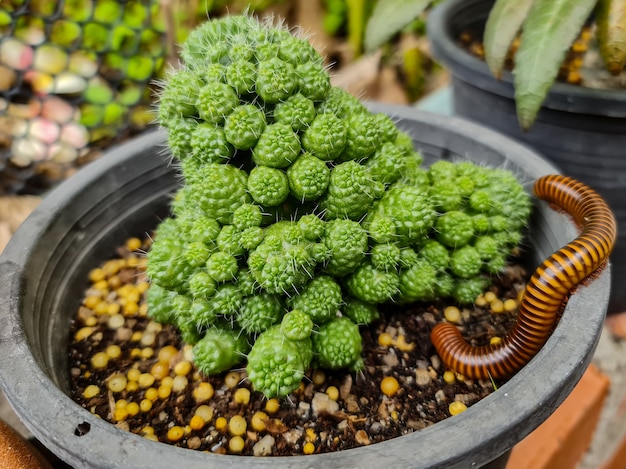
{"x": 75, "y": 76}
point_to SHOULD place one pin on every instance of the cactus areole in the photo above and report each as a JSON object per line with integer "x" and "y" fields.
{"x": 301, "y": 211}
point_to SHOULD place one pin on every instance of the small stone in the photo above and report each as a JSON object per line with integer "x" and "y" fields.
{"x": 429, "y": 318}
{"x": 376, "y": 427}
{"x": 322, "y": 404}
{"x": 485, "y": 384}
{"x": 362, "y": 437}
{"x": 97, "y": 337}
{"x": 264, "y": 446}
{"x": 346, "y": 387}
{"x": 308, "y": 390}
{"x": 423, "y": 364}
{"x": 123, "y": 426}
{"x": 390, "y": 358}
{"x": 194, "y": 442}
{"x": 440, "y": 396}
{"x": 383, "y": 411}
{"x": 422, "y": 377}
{"x": 418, "y": 424}
{"x": 304, "y": 409}
{"x": 292, "y": 436}
{"x": 352, "y": 405}
{"x": 123, "y": 334}
{"x": 466, "y": 399}
{"x": 435, "y": 362}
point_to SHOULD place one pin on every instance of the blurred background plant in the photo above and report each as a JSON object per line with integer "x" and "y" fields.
{"x": 73, "y": 74}
{"x": 77, "y": 75}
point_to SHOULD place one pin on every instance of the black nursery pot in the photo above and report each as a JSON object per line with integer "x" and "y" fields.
{"x": 43, "y": 275}
{"x": 581, "y": 130}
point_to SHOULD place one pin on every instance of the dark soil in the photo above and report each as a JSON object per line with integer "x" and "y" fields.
{"x": 331, "y": 411}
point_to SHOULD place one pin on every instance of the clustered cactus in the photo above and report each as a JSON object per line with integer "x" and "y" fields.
{"x": 301, "y": 211}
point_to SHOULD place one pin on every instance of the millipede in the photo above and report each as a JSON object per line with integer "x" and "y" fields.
{"x": 546, "y": 291}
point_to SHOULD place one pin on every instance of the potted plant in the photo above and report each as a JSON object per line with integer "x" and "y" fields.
{"x": 578, "y": 127}
{"x": 81, "y": 223}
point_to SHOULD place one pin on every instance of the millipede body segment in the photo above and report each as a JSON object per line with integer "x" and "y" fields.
{"x": 546, "y": 290}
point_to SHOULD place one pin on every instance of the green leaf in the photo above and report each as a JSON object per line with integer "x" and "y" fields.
{"x": 504, "y": 22}
{"x": 548, "y": 32}
{"x": 611, "y": 33}
{"x": 356, "y": 20}
{"x": 389, "y": 17}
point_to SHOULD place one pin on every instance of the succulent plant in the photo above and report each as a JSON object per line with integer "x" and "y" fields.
{"x": 301, "y": 211}
{"x": 548, "y": 28}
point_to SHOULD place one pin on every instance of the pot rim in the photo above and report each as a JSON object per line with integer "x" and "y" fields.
{"x": 470, "y": 439}
{"x": 466, "y": 67}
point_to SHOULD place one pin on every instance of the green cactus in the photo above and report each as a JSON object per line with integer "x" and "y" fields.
{"x": 360, "y": 312}
{"x": 296, "y": 325}
{"x": 321, "y": 299}
{"x": 282, "y": 262}
{"x": 276, "y": 364}
{"x": 326, "y": 136}
{"x": 308, "y": 178}
{"x": 268, "y": 186}
{"x": 244, "y": 125}
{"x": 219, "y": 349}
{"x": 455, "y": 229}
{"x": 301, "y": 212}
{"x": 278, "y": 147}
{"x": 372, "y": 285}
{"x": 347, "y": 243}
{"x": 259, "y": 312}
{"x": 351, "y": 192}
{"x": 337, "y": 344}
{"x": 296, "y": 111}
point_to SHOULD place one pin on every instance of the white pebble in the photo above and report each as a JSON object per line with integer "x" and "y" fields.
{"x": 147, "y": 339}
{"x": 264, "y": 446}
{"x": 440, "y": 396}
{"x": 422, "y": 377}
{"x": 180, "y": 383}
{"x": 116, "y": 321}
{"x": 322, "y": 404}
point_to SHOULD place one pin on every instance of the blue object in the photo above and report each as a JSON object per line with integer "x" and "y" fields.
{"x": 439, "y": 101}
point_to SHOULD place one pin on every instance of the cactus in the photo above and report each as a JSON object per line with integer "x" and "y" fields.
{"x": 322, "y": 213}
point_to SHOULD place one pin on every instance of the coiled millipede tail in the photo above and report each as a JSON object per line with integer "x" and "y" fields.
{"x": 546, "y": 290}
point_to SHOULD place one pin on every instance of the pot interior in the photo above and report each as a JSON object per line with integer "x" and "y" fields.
{"x": 125, "y": 194}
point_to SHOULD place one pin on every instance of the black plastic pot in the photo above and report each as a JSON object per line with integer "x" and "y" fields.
{"x": 43, "y": 274}
{"x": 581, "y": 130}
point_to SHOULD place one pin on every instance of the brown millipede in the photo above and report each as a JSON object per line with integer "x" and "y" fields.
{"x": 546, "y": 290}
